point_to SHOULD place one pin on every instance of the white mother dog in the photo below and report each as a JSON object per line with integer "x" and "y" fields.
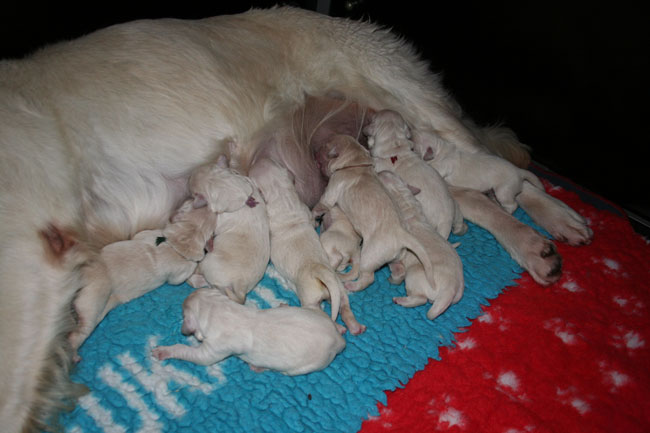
{"x": 98, "y": 137}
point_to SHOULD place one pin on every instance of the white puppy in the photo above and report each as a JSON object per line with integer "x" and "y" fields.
{"x": 296, "y": 251}
{"x": 241, "y": 248}
{"x": 448, "y": 284}
{"x": 291, "y": 340}
{"x": 341, "y": 243}
{"x": 128, "y": 269}
{"x": 389, "y": 141}
{"x": 477, "y": 170}
{"x": 355, "y": 188}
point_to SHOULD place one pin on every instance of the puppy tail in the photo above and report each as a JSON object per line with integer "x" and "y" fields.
{"x": 328, "y": 278}
{"x": 441, "y": 304}
{"x": 412, "y": 244}
{"x": 504, "y": 142}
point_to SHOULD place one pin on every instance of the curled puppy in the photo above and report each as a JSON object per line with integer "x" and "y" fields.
{"x": 296, "y": 251}
{"x": 241, "y": 247}
{"x": 291, "y": 340}
{"x": 448, "y": 284}
{"x": 356, "y": 189}
{"x": 341, "y": 243}
{"x": 389, "y": 140}
{"x": 478, "y": 170}
{"x": 128, "y": 269}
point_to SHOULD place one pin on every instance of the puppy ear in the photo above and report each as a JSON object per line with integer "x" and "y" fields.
{"x": 428, "y": 155}
{"x": 414, "y": 189}
{"x": 199, "y": 201}
{"x": 222, "y": 161}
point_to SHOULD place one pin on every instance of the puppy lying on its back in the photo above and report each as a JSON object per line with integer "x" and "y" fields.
{"x": 389, "y": 140}
{"x": 241, "y": 247}
{"x": 291, "y": 340}
{"x": 448, "y": 284}
{"x": 128, "y": 269}
{"x": 480, "y": 170}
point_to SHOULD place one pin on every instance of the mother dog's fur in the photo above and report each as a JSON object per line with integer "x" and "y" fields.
{"x": 99, "y": 135}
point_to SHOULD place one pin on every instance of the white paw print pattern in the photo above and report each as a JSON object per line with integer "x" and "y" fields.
{"x": 564, "y": 331}
{"x": 629, "y": 304}
{"x": 571, "y": 397}
{"x": 494, "y": 316}
{"x": 628, "y": 339}
{"x": 445, "y": 414}
{"x": 613, "y": 377}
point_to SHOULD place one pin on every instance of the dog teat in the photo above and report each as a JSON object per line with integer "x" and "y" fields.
{"x": 251, "y": 202}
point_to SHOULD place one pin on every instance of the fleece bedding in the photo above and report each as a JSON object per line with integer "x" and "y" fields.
{"x": 130, "y": 391}
{"x": 571, "y": 357}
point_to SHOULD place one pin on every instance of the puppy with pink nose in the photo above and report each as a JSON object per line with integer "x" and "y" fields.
{"x": 290, "y": 340}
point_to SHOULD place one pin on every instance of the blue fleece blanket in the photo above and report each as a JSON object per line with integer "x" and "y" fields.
{"x": 133, "y": 392}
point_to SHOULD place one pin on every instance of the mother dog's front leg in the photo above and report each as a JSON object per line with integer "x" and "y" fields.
{"x": 526, "y": 246}
{"x": 562, "y": 222}
{"x": 40, "y": 276}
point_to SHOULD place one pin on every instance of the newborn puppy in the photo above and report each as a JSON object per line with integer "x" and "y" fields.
{"x": 389, "y": 140}
{"x": 241, "y": 247}
{"x": 480, "y": 170}
{"x": 291, "y": 340}
{"x": 448, "y": 284}
{"x": 128, "y": 269}
{"x": 296, "y": 251}
{"x": 341, "y": 243}
{"x": 356, "y": 189}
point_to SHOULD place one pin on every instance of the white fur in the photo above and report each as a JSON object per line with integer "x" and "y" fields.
{"x": 389, "y": 140}
{"x": 341, "y": 243}
{"x": 448, "y": 284}
{"x": 355, "y": 188}
{"x": 99, "y": 135}
{"x": 241, "y": 247}
{"x": 296, "y": 251}
{"x": 291, "y": 340}
{"x": 479, "y": 170}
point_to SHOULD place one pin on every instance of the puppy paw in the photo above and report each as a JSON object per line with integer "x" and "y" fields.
{"x": 160, "y": 353}
{"x": 352, "y": 286}
{"x": 357, "y": 329}
{"x": 571, "y": 228}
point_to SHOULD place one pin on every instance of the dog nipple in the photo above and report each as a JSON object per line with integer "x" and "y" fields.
{"x": 251, "y": 202}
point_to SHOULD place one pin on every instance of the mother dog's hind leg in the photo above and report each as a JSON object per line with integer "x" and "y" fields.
{"x": 525, "y": 245}
{"x": 40, "y": 275}
{"x": 562, "y": 222}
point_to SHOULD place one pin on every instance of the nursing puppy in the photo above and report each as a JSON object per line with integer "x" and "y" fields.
{"x": 389, "y": 141}
{"x": 241, "y": 247}
{"x": 291, "y": 340}
{"x": 126, "y": 270}
{"x": 478, "y": 170}
{"x": 448, "y": 284}
{"x": 354, "y": 187}
{"x": 341, "y": 243}
{"x": 98, "y": 138}
{"x": 296, "y": 251}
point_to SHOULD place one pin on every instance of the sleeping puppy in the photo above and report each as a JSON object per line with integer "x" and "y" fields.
{"x": 354, "y": 187}
{"x": 128, "y": 269}
{"x": 389, "y": 140}
{"x": 295, "y": 249}
{"x": 448, "y": 284}
{"x": 241, "y": 247}
{"x": 341, "y": 243}
{"x": 475, "y": 170}
{"x": 291, "y": 340}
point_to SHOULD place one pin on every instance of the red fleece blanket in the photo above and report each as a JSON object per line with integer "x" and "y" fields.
{"x": 572, "y": 357}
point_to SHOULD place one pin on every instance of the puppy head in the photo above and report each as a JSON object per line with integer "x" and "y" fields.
{"x": 189, "y": 230}
{"x": 271, "y": 178}
{"x": 220, "y": 188}
{"x": 388, "y": 133}
{"x": 344, "y": 151}
{"x": 428, "y": 144}
{"x": 191, "y": 312}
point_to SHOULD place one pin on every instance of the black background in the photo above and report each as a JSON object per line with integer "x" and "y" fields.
{"x": 570, "y": 78}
